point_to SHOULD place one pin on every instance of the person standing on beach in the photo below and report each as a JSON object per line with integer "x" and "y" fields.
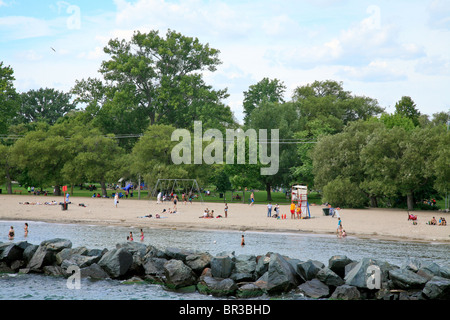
{"x": 175, "y": 199}
{"x": 226, "y": 210}
{"x": 269, "y": 210}
{"x": 292, "y": 210}
{"x": 116, "y": 199}
{"x": 252, "y": 199}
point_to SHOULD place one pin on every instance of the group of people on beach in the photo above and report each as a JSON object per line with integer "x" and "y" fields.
{"x": 210, "y": 214}
{"x": 130, "y": 236}
{"x": 12, "y": 233}
{"x": 340, "y": 229}
{"x": 434, "y": 222}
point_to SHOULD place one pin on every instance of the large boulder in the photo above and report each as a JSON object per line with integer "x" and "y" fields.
{"x": 222, "y": 266}
{"x": 262, "y": 264}
{"x": 10, "y": 252}
{"x": 79, "y": 261}
{"x": 361, "y": 275}
{"x": 116, "y": 262}
{"x": 281, "y": 276}
{"x": 346, "y": 292}
{"x": 314, "y": 289}
{"x": 429, "y": 269}
{"x": 216, "y": 287}
{"x": 198, "y": 261}
{"x": 46, "y": 253}
{"x": 177, "y": 253}
{"x": 94, "y": 271}
{"x": 249, "y": 290}
{"x": 337, "y": 264}
{"x": 308, "y": 270}
{"x": 406, "y": 279}
{"x": 178, "y": 274}
{"x": 329, "y": 277}
{"x": 244, "y": 268}
{"x": 437, "y": 288}
{"x": 66, "y": 253}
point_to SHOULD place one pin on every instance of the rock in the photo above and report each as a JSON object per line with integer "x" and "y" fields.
{"x": 262, "y": 264}
{"x": 154, "y": 269}
{"x": 93, "y": 271}
{"x": 79, "y": 261}
{"x": 329, "y": 277}
{"x": 437, "y": 288}
{"x": 29, "y": 252}
{"x": 360, "y": 275}
{"x": 445, "y": 272}
{"x": 198, "y": 261}
{"x": 66, "y": 253}
{"x": 309, "y": 269}
{"x": 346, "y": 292}
{"x": 46, "y": 253}
{"x": 281, "y": 275}
{"x": 116, "y": 262}
{"x": 429, "y": 270}
{"x": 407, "y": 279}
{"x": 176, "y": 253}
{"x": 135, "y": 248}
{"x": 10, "y": 252}
{"x": 178, "y": 274}
{"x": 244, "y": 268}
{"x": 222, "y": 266}
{"x": 412, "y": 264}
{"x": 314, "y": 289}
{"x": 249, "y": 290}
{"x": 337, "y": 264}
{"x": 55, "y": 271}
{"x": 217, "y": 287}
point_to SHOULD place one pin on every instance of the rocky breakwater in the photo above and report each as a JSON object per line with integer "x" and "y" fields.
{"x": 227, "y": 274}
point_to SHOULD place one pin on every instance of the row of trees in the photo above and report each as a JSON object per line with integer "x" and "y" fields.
{"x": 120, "y": 125}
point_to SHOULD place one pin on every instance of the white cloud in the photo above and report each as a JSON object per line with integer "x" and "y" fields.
{"x": 375, "y": 71}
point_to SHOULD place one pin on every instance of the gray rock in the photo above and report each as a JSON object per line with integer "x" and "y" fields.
{"x": 222, "y": 266}
{"x": 249, "y": 290}
{"x": 29, "y": 252}
{"x": 281, "y": 274}
{"x": 437, "y": 288}
{"x": 116, "y": 262}
{"x": 406, "y": 279}
{"x": 55, "y": 271}
{"x": 429, "y": 270}
{"x": 308, "y": 270}
{"x": 244, "y": 268}
{"x": 338, "y": 263}
{"x": 329, "y": 277}
{"x": 79, "y": 261}
{"x": 154, "y": 266}
{"x": 176, "y": 253}
{"x": 346, "y": 292}
{"x": 46, "y": 253}
{"x": 217, "y": 287}
{"x": 314, "y": 289}
{"x": 198, "y": 261}
{"x": 10, "y": 252}
{"x": 178, "y": 274}
{"x": 94, "y": 271}
{"x": 412, "y": 264}
{"x": 360, "y": 274}
{"x": 66, "y": 253}
{"x": 262, "y": 264}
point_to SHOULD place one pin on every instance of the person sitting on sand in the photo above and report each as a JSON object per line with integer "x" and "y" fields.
{"x": 344, "y": 234}
{"x": 433, "y": 221}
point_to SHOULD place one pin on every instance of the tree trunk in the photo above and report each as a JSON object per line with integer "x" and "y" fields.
{"x": 8, "y": 181}
{"x": 57, "y": 191}
{"x": 373, "y": 202}
{"x": 103, "y": 184}
{"x": 269, "y": 194}
{"x": 410, "y": 201}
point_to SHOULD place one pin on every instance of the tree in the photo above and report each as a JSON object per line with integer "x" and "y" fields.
{"x": 265, "y": 90}
{"x": 156, "y": 80}
{"x": 407, "y": 108}
{"x": 9, "y": 99}
{"x": 45, "y": 105}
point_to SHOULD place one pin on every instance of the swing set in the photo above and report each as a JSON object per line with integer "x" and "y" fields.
{"x": 170, "y": 187}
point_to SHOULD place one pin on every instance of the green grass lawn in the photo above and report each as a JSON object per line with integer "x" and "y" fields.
{"x": 260, "y": 196}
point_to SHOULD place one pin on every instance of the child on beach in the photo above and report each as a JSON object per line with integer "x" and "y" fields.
{"x": 292, "y": 210}
{"x": 299, "y": 212}
{"x": 142, "y": 235}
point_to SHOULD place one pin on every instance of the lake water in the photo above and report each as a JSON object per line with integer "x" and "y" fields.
{"x": 299, "y": 246}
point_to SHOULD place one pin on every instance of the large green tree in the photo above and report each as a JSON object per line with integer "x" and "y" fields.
{"x": 9, "y": 98}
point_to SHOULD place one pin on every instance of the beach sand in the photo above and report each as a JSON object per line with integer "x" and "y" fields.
{"x": 365, "y": 223}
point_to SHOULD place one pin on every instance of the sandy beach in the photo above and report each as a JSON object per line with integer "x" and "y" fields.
{"x": 365, "y": 223}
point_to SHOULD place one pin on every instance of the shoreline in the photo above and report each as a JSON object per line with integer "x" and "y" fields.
{"x": 371, "y": 223}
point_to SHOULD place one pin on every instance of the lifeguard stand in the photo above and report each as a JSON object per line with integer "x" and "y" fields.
{"x": 299, "y": 194}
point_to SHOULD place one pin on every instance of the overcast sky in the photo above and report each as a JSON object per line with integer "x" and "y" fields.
{"x": 380, "y": 49}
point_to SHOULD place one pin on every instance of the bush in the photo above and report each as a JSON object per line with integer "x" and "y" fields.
{"x": 344, "y": 193}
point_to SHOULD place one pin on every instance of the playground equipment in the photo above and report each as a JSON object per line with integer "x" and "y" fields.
{"x": 299, "y": 194}
{"x": 171, "y": 186}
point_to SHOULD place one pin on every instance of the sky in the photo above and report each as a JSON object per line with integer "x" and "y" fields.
{"x": 380, "y": 49}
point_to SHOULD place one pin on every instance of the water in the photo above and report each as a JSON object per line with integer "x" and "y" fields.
{"x": 299, "y": 246}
